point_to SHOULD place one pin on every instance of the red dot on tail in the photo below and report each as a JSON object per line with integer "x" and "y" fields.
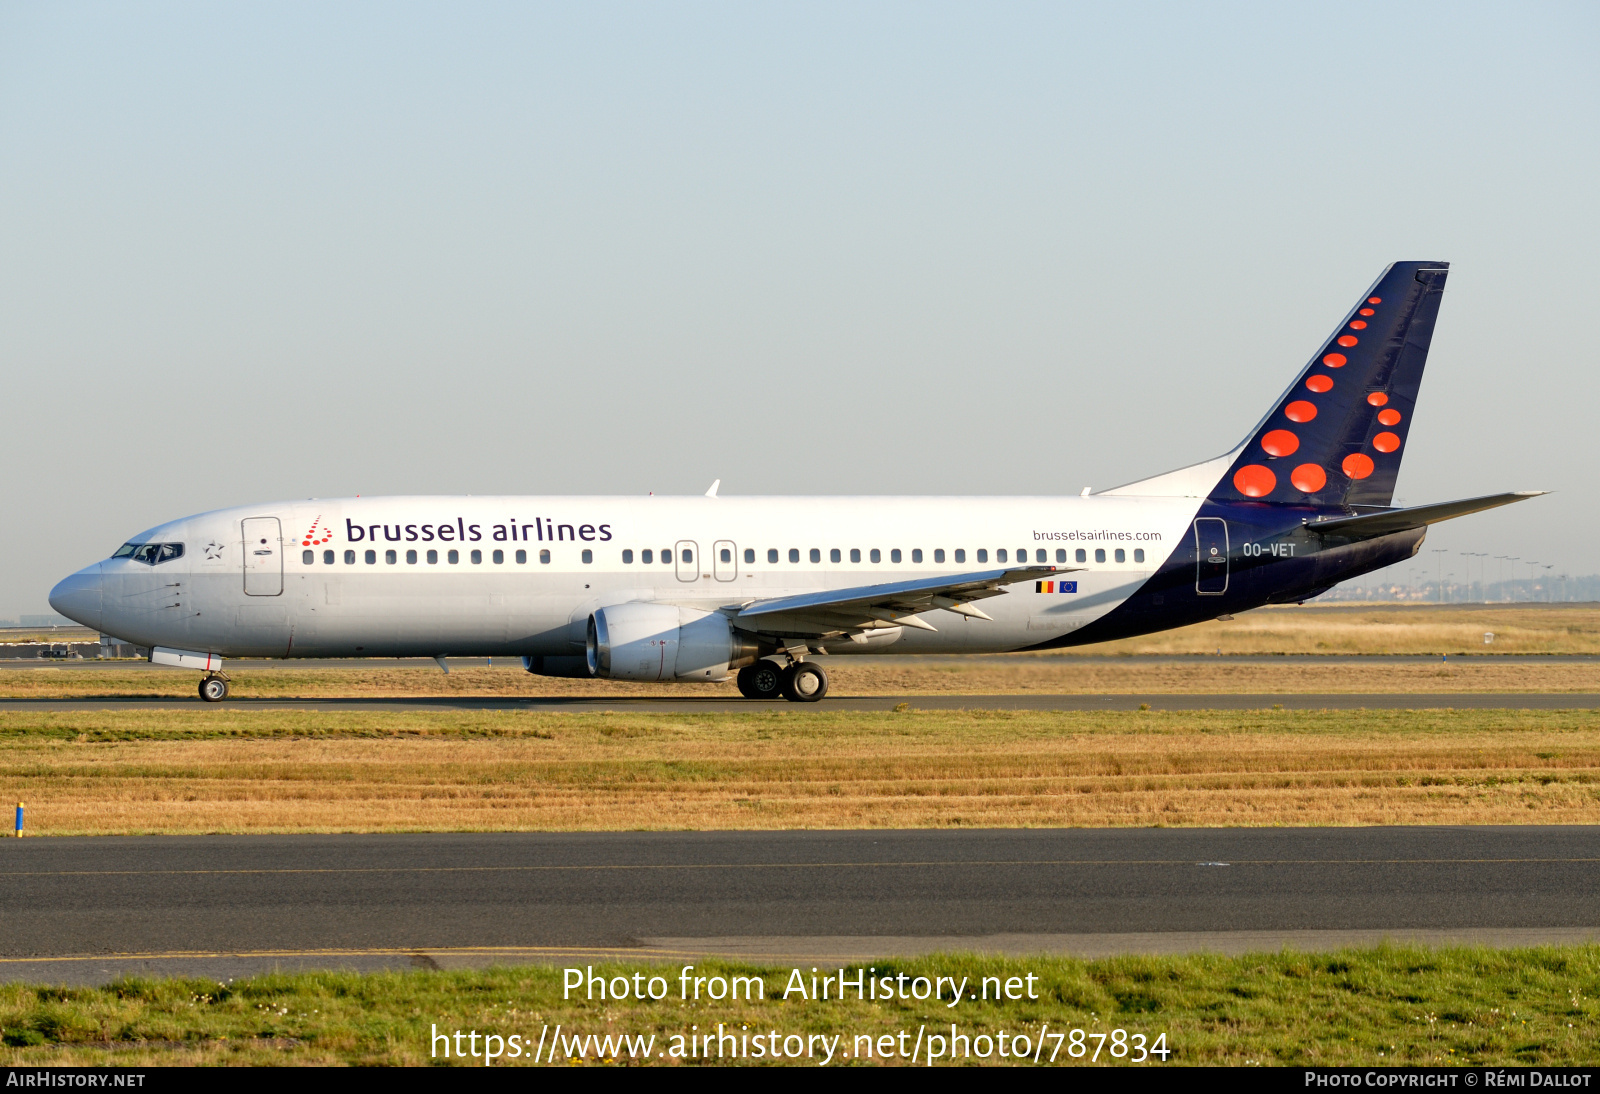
{"x": 1300, "y": 411}
{"x": 1254, "y": 481}
{"x": 1335, "y": 360}
{"x": 1389, "y": 417}
{"x": 1374, "y": 299}
{"x": 1377, "y": 398}
{"x": 1386, "y": 442}
{"x": 1358, "y": 465}
{"x": 1319, "y": 383}
{"x": 1308, "y": 478}
{"x": 1366, "y": 311}
{"x": 1348, "y": 340}
{"x": 1280, "y": 442}
{"x": 1358, "y": 324}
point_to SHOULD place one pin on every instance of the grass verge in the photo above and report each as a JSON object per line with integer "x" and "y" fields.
{"x": 1382, "y": 1006}
{"x": 236, "y": 770}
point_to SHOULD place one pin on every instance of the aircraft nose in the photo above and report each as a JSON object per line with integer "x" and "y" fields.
{"x": 78, "y": 597}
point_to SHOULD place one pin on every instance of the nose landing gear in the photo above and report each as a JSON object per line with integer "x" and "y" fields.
{"x": 214, "y": 689}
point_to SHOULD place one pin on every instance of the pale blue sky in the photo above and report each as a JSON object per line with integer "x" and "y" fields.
{"x": 251, "y": 252}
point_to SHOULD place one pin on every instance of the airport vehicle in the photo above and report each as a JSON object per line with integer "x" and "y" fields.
{"x": 694, "y": 589}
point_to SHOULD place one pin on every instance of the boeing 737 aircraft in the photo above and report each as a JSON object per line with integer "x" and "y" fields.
{"x": 693, "y": 589}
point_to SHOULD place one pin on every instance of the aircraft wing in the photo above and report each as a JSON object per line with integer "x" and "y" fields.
{"x": 894, "y": 604}
{"x": 1371, "y": 525}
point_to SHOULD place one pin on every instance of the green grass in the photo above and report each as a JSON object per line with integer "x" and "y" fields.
{"x": 1383, "y": 1006}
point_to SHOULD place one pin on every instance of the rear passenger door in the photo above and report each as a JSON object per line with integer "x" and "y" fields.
{"x": 1211, "y": 556}
{"x": 263, "y": 556}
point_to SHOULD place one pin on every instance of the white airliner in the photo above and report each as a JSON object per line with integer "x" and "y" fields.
{"x": 693, "y": 589}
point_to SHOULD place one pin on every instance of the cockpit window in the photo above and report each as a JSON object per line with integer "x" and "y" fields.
{"x": 149, "y": 553}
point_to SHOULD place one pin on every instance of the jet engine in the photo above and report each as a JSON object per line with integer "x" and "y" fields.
{"x": 665, "y": 642}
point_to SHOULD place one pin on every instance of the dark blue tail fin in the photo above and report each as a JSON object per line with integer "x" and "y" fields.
{"x": 1337, "y": 435}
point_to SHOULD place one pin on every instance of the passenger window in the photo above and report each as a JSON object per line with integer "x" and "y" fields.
{"x": 1121, "y": 555}
{"x": 544, "y": 556}
{"x": 350, "y": 558}
{"x": 1138, "y": 554}
{"x": 587, "y": 556}
{"x": 816, "y": 554}
{"x": 961, "y": 554}
{"x": 1001, "y": 556}
{"x": 390, "y": 556}
{"x": 894, "y": 555}
{"x": 1022, "y": 555}
{"x": 938, "y": 554}
{"x": 477, "y": 558}
{"x": 627, "y": 558}
{"x": 522, "y": 557}
{"x": 916, "y": 554}
{"x": 750, "y": 554}
{"x": 794, "y": 554}
{"x": 327, "y": 558}
{"x": 876, "y": 555}
{"x": 666, "y": 558}
{"x": 499, "y": 557}
{"x": 726, "y": 555}
{"x": 1082, "y": 555}
{"x": 411, "y": 558}
{"x": 647, "y": 555}
{"x": 308, "y": 557}
{"x": 772, "y": 554}
{"x": 833, "y": 555}
{"x": 1041, "y": 555}
{"x": 685, "y": 555}
{"x": 983, "y": 554}
{"x": 1061, "y": 554}
{"x": 1099, "y": 554}
{"x": 433, "y": 558}
{"x": 855, "y": 554}
{"x": 372, "y": 557}
{"x": 453, "y": 557}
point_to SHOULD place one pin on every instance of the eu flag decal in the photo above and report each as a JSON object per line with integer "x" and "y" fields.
{"x": 1068, "y": 586}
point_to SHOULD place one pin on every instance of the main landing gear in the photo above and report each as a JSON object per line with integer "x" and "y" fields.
{"x": 799, "y": 682}
{"x": 214, "y": 689}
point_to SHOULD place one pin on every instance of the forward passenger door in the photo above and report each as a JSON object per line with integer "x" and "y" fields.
{"x": 263, "y": 556}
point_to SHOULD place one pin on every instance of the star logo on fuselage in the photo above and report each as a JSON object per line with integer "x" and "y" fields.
{"x": 213, "y": 551}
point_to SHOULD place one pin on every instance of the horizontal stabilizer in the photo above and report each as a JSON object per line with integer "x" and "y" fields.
{"x": 1371, "y": 525}
{"x": 890, "y": 604}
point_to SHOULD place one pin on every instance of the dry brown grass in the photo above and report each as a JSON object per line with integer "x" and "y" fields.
{"x": 1004, "y": 675}
{"x": 239, "y": 771}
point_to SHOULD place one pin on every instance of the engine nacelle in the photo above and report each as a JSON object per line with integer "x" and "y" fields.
{"x": 574, "y": 665}
{"x": 664, "y": 642}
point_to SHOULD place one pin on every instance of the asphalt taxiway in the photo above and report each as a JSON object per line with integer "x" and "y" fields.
{"x": 88, "y": 909}
{"x": 718, "y": 705}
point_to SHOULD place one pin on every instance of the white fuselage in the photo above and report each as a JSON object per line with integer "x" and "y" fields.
{"x": 376, "y": 576}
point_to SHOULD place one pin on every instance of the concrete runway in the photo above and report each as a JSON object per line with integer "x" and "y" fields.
{"x": 86, "y": 910}
{"x": 698, "y": 705}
